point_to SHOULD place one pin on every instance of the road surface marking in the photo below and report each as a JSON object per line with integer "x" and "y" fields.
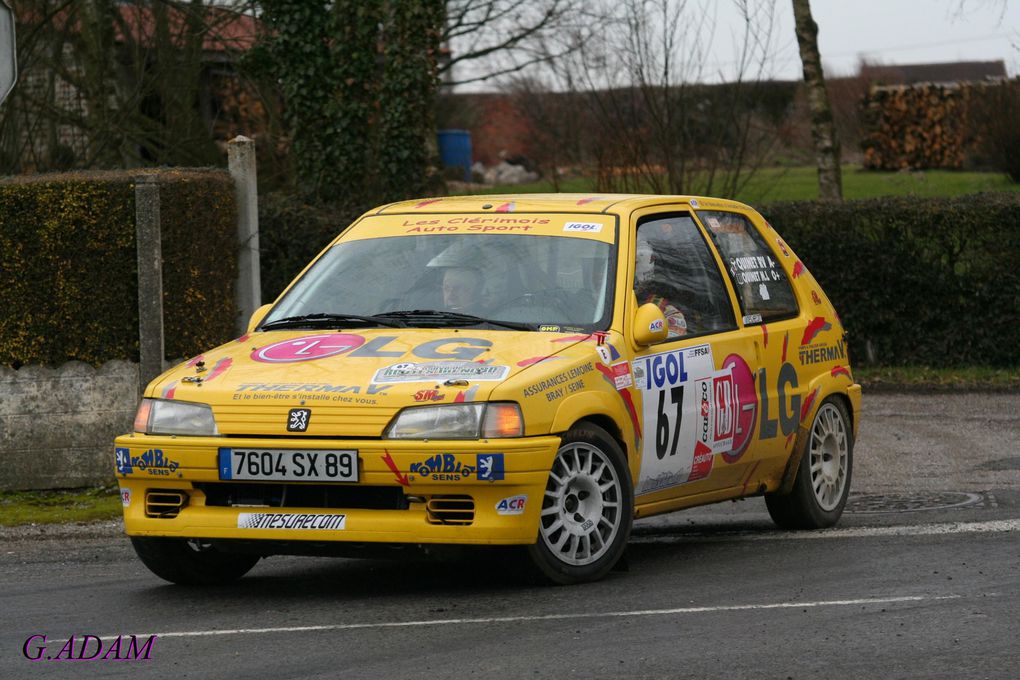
{"x": 993, "y": 526}
{"x": 553, "y": 617}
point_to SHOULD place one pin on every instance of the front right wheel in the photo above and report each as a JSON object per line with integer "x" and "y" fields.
{"x": 587, "y": 508}
{"x": 822, "y": 484}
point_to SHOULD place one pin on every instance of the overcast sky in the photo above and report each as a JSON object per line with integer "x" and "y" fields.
{"x": 879, "y": 31}
{"x": 894, "y": 32}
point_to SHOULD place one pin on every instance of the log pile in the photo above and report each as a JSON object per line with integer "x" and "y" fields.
{"x": 916, "y": 127}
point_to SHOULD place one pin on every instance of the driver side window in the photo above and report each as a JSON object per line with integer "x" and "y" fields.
{"x": 675, "y": 271}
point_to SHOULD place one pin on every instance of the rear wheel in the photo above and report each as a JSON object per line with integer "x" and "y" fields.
{"x": 587, "y": 508}
{"x": 823, "y": 477}
{"x": 191, "y": 562}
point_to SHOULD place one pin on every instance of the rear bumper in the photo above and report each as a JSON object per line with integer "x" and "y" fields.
{"x": 505, "y": 508}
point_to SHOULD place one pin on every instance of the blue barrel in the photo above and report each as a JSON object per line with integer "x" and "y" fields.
{"x": 455, "y": 150}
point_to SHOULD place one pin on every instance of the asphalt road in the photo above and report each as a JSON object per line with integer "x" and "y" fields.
{"x": 920, "y": 580}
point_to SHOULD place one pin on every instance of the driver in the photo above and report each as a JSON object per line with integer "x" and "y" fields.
{"x": 650, "y": 288}
{"x": 462, "y": 290}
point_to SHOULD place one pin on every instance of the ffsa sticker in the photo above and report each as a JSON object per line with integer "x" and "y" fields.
{"x": 689, "y": 414}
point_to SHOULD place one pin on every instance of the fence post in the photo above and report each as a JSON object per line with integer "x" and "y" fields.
{"x": 241, "y": 161}
{"x": 150, "y": 279}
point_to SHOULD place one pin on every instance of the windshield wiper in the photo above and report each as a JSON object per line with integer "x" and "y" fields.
{"x": 467, "y": 319}
{"x": 327, "y": 318}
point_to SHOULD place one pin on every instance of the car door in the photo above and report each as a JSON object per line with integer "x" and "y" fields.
{"x": 759, "y": 270}
{"x": 698, "y": 400}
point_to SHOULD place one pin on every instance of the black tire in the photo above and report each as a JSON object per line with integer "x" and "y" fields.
{"x": 823, "y": 477}
{"x": 577, "y": 512}
{"x": 191, "y": 562}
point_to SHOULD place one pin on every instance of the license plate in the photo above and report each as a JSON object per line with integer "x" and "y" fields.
{"x": 289, "y": 465}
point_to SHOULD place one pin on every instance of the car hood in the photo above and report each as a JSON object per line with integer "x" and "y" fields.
{"x": 353, "y": 382}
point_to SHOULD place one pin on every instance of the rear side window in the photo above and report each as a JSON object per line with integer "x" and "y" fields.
{"x": 761, "y": 283}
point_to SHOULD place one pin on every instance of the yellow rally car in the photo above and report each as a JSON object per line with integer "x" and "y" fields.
{"x": 534, "y": 370}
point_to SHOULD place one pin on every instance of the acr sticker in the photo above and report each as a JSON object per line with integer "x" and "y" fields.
{"x": 277, "y": 520}
{"x": 511, "y": 506}
{"x": 655, "y": 326}
{"x": 409, "y": 371}
{"x": 490, "y": 467}
{"x": 125, "y": 497}
{"x": 690, "y": 413}
{"x": 587, "y": 227}
{"x": 307, "y": 348}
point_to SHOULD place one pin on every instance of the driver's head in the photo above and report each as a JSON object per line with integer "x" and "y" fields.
{"x": 462, "y": 289}
{"x": 644, "y": 266}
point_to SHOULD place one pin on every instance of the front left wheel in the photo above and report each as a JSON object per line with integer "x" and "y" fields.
{"x": 587, "y": 508}
{"x": 191, "y": 562}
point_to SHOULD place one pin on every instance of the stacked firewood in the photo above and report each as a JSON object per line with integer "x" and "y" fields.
{"x": 916, "y": 127}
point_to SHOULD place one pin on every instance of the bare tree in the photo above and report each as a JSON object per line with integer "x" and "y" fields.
{"x": 823, "y": 130}
{"x": 639, "y": 67}
{"x": 114, "y": 84}
{"x": 488, "y": 39}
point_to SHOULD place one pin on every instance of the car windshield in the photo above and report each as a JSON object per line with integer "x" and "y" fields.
{"x": 531, "y": 281}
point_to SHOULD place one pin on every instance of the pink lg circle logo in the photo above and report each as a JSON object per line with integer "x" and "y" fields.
{"x": 307, "y": 348}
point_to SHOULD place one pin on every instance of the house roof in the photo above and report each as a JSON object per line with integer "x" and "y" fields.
{"x": 948, "y": 72}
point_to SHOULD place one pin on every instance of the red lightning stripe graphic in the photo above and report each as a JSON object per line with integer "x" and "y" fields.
{"x": 806, "y": 408}
{"x": 388, "y": 459}
{"x": 765, "y": 334}
{"x": 221, "y": 366}
{"x": 816, "y": 326}
{"x": 506, "y": 207}
{"x": 798, "y": 269}
{"x": 583, "y": 201}
{"x": 428, "y": 202}
{"x": 786, "y": 341}
{"x": 840, "y": 370}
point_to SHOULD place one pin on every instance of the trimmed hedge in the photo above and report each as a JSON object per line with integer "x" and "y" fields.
{"x": 916, "y": 281}
{"x": 68, "y": 268}
{"x": 291, "y": 233}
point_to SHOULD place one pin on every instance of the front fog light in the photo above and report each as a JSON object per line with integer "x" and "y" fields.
{"x": 168, "y": 416}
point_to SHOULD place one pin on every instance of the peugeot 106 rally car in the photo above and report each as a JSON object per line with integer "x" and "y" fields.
{"x": 521, "y": 370}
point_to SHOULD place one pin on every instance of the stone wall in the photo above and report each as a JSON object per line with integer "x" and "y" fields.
{"x": 57, "y": 425}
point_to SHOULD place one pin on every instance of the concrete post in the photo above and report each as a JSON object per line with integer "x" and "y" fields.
{"x": 150, "y": 279}
{"x": 241, "y": 161}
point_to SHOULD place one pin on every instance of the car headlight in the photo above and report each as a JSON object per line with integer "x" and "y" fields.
{"x": 457, "y": 421}
{"x": 168, "y": 416}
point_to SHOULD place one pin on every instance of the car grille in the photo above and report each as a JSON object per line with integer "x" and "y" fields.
{"x": 234, "y": 494}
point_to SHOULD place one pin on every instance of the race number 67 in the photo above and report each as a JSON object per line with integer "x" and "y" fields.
{"x": 676, "y": 395}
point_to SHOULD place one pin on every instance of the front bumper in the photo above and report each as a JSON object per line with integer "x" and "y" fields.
{"x": 505, "y": 509}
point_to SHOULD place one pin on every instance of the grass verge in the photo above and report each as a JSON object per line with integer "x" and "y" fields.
{"x": 56, "y": 507}
{"x": 801, "y": 184}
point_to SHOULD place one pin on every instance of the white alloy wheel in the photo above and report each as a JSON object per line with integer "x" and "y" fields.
{"x": 583, "y": 508}
{"x": 829, "y": 456}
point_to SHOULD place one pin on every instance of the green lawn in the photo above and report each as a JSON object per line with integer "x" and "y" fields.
{"x": 801, "y": 183}
{"x": 52, "y": 507}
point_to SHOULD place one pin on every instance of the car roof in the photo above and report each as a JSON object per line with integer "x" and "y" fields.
{"x": 559, "y": 203}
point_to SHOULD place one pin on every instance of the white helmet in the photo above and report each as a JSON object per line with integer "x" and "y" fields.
{"x": 644, "y": 265}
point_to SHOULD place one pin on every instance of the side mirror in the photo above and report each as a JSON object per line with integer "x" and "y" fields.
{"x": 649, "y": 325}
{"x": 257, "y": 316}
